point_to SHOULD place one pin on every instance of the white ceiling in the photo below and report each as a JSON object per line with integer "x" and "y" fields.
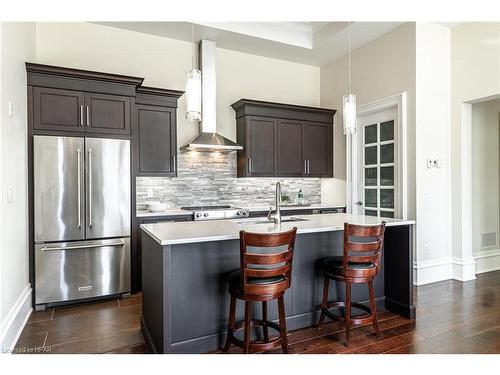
{"x": 313, "y": 43}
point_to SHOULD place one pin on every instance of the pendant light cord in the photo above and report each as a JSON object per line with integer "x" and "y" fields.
{"x": 192, "y": 46}
{"x": 349, "y": 32}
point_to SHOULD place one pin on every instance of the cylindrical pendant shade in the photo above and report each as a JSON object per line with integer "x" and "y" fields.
{"x": 349, "y": 114}
{"x": 193, "y": 95}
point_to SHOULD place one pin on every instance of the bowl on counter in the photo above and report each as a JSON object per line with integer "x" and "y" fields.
{"x": 157, "y": 207}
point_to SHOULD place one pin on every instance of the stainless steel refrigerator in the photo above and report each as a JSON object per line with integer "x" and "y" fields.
{"x": 81, "y": 218}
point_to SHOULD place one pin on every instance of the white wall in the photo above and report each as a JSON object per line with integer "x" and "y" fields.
{"x": 164, "y": 62}
{"x": 485, "y": 181}
{"x": 17, "y": 46}
{"x": 433, "y": 211}
{"x": 381, "y": 68}
{"x": 475, "y": 74}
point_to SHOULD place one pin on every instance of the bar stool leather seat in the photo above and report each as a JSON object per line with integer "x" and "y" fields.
{"x": 335, "y": 263}
{"x": 235, "y": 279}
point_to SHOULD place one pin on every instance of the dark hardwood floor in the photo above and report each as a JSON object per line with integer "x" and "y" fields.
{"x": 452, "y": 317}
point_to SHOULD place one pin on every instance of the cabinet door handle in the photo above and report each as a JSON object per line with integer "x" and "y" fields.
{"x": 305, "y": 166}
{"x": 174, "y": 168}
{"x": 308, "y": 167}
{"x": 88, "y": 120}
{"x": 81, "y": 115}
{"x": 249, "y": 165}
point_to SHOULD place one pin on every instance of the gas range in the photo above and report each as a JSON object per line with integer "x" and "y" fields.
{"x": 217, "y": 212}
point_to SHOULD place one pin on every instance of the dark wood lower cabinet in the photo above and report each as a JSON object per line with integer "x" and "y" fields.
{"x": 290, "y": 211}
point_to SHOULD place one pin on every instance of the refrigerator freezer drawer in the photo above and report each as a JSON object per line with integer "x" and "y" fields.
{"x": 66, "y": 271}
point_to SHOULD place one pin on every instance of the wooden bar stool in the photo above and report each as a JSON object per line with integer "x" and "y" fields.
{"x": 360, "y": 264}
{"x": 261, "y": 278}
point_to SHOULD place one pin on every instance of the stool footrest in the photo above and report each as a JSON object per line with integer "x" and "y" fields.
{"x": 273, "y": 343}
{"x": 358, "y": 319}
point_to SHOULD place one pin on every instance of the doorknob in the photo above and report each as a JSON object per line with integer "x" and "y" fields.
{"x": 359, "y": 203}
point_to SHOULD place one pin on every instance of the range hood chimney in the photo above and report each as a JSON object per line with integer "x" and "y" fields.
{"x": 208, "y": 139}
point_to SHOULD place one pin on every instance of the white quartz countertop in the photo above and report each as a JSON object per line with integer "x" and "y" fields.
{"x": 220, "y": 230}
{"x": 179, "y": 211}
{"x": 167, "y": 212}
{"x": 296, "y": 207}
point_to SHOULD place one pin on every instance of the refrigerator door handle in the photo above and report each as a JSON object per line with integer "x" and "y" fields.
{"x": 79, "y": 171}
{"x": 90, "y": 188}
{"x": 60, "y": 248}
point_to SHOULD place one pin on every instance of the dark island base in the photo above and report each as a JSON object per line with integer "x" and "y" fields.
{"x": 185, "y": 291}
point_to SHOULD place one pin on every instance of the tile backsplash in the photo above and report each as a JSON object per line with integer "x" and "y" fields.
{"x": 210, "y": 179}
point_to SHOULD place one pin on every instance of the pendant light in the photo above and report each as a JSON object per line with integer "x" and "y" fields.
{"x": 349, "y": 101}
{"x": 193, "y": 89}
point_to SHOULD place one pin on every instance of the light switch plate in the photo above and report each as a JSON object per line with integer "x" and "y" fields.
{"x": 11, "y": 109}
{"x": 10, "y": 196}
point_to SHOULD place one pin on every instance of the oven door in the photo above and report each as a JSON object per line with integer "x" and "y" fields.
{"x": 66, "y": 271}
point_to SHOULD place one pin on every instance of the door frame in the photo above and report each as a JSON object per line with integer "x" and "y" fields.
{"x": 464, "y": 267}
{"x": 398, "y": 101}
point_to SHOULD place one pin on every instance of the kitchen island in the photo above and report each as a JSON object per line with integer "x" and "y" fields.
{"x": 185, "y": 267}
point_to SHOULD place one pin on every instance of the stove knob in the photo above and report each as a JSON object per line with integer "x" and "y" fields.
{"x": 198, "y": 215}
{"x": 239, "y": 213}
{"x": 245, "y": 212}
{"x": 205, "y": 214}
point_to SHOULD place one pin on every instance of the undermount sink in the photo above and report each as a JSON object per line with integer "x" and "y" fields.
{"x": 265, "y": 221}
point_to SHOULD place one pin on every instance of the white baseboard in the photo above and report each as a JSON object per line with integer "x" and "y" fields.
{"x": 463, "y": 269}
{"x": 16, "y": 319}
{"x": 487, "y": 260}
{"x": 431, "y": 271}
{"x": 434, "y": 270}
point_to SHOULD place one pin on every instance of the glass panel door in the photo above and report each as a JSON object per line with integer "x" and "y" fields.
{"x": 378, "y": 195}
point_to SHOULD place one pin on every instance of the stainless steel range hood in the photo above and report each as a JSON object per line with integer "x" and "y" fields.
{"x": 209, "y": 139}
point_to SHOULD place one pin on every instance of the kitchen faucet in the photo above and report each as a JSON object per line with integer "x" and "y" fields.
{"x": 276, "y": 217}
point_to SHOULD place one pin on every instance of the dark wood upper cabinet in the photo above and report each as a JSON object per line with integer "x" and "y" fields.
{"x": 109, "y": 114}
{"x": 282, "y": 140}
{"x": 156, "y": 132}
{"x": 317, "y": 149}
{"x": 55, "y": 109}
{"x": 66, "y": 100}
{"x": 289, "y": 152}
{"x": 156, "y": 143}
{"x": 261, "y": 142}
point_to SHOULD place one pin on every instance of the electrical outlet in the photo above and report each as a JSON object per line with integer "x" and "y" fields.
{"x": 433, "y": 163}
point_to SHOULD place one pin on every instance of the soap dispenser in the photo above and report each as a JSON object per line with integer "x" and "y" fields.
{"x": 300, "y": 197}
